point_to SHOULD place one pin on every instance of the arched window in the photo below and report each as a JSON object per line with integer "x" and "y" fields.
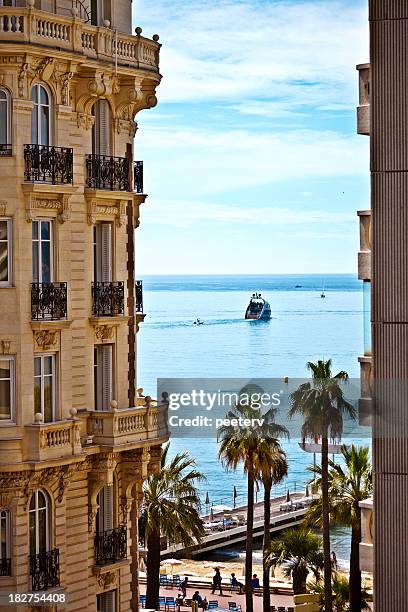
{"x": 41, "y": 116}
{"x": 5, "y": 123}
{"x": 39, "y": 523}
{"x": 5, "y": 544}
{"x": 102, "y": 128}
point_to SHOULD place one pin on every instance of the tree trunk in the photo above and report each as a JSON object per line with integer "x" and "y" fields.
{"x": 153, "y": 570}
{"x": 299, "y": 578}
{"x": 355, "y": 572}
{"x": 328, "y": 596}
{"x": 266, "y": 542}
{"x": 249, "y": 544}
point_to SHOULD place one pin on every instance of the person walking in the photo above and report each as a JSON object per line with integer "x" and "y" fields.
{"x": 217, "y": 582}
{"x": 183, "y": 586}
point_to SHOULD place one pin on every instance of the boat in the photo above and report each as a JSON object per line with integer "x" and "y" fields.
{"x": 258, "y": 308}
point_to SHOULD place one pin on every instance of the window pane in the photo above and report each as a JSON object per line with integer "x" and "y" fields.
{"x": 3, "y": 121}
{"x": 3, "y": 262}
{"x": 44, "y": 118}
{"x": 3, "y": 95}
{"x": 46, "y": 262}
{"x": 32, "y": 529}
{"x": 43, "y": 96}
{"x": 35, "y": 230}
{"x": 42, "y": 530}
{"x": 45, "y": 230}
{"x": 34, "y": 125}
{"x": 37, "y": 395}
{"x": 5, "y": 369}
{"x": 34, "y": 93}
{"x": 5, "y": 399}
{"x": 36, "y": 275}
{"x": 48, "y": 399}
{"x": 48, "y": 365}
{"x": 3, "y": 537}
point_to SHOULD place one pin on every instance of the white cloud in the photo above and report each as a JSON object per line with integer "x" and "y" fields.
{"x": 194, "y": 163}
{"x": 253, "y": 49}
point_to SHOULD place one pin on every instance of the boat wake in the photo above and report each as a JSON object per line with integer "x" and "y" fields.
{"x": 208, "y": 323}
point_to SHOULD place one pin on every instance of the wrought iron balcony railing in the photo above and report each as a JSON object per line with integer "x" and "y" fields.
{"x": 49, "y": 301}
{"x": 108, "y": 299}
{"x": 6, "y": 150}
{"x": 139, "y": 297}
{"x": 107, "y": 172}
{"x": 138, "y": 176}
{"x": 45, "y": 570}
{"x": 111, "y": 546}
{"x": 45, "y": 164}
{"x": 5, "y": 567}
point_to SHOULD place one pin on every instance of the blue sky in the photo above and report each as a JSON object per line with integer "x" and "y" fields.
{"x": 252, "y": 163}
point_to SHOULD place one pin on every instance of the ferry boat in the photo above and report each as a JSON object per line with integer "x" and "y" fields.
{"x": 258, "y": 308}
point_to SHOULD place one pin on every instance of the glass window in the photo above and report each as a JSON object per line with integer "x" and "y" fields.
{"x": 43, "y": 251}
{"x": 5, "y": 252}
{"x": 367, "y": 317}
{"x": 6, "y": 388}
{"x": 5, "y": 552}
{"x": 41, "y": 116}
{"x": 44, "y": 387}
{"x": 39, "y": 522}
{"x": 4, "y": 118}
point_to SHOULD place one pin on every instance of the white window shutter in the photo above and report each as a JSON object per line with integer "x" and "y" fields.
{"x": 106, "y": 376}
{"x": 106, "y": 252}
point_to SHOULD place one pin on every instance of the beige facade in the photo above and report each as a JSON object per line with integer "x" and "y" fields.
{"x": 76, "y": 442}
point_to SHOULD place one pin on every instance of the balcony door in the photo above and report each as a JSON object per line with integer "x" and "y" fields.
{"x": 103, "y": 252}
{"x": 102, "y": 128}
{"x": 43, "y": 251}
{"x": 106, "y": 602}
{"x": 39, "y": 523}
{"x": 44, "y": 387}
{"x": 41, "y": 116}
{"x": 100, "y": 11}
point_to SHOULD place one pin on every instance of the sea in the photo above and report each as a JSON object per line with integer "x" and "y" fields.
{"x": 304, "y": 327}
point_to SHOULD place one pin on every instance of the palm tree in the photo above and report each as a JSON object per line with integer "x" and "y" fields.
{"x": 241, "y": 445}
{"x": 341, "y": 594}
{"x": 322, "y": 404}
{"x": 348, "y": 486}
{"x": 299, "y": 551}
{"x": 170, "y": 508}
{"x": 274, "y": 468}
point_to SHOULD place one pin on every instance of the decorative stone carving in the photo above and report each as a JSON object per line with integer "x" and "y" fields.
{"x": 104, "y": 332}
{"x": 5, "y": 346}
{"x": 99, "y": 209}
{"x": 107, "y": 580}
{"x": 35, "y": 202}
{"x": 46, "y": 339}
{"x": 3, "y": 208}
{"x": 60, "y": 475}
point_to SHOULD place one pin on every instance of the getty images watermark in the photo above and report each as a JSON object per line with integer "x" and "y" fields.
{"x": 199, "y": 408}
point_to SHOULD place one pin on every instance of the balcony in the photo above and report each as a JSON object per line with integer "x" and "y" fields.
{"x": 72, "y": 34}
{"x": 5, "y": 567}
{"x": 366, "y": 390}
{"x": 130, "y": 426}
{"x": 111, "y": 546}
{"x": 107, "y": 172}
{"x": 46, "y": 164}
{"x": 108, "y": 299}
{"x": 363, "y": 110}
{"x": 139, "y": 297}
{"x": 45, "y": 571}
{"x": 364, "y": 255}
{"x": 6, "y": 150}
{"x": 49, "y": 441}
{"x": 49, "y": 301}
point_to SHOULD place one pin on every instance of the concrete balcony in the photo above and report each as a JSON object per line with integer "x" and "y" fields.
{"x": 49, "y": 441}
{"x": 72, "y": 34}
{"x": 363, "y": 109}
{"x": 130, "y": 427}
{"x": 364, "y": 255}
{"x": 367, "y": 536}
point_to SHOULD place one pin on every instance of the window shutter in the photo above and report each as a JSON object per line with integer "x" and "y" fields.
{"x": 106, "y": 377}
{"x": 102, "y": 128}
{"x": 106, "y": 252}
{"x": 108, "y": 508}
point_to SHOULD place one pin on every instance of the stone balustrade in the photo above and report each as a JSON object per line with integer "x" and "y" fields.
{"x": 28, "y": 25}
{"x": 129, "y": 426}
{"x": 47, "y": 441}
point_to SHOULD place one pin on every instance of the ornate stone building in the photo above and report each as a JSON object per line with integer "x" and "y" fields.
{"x": 76, "y": 442}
